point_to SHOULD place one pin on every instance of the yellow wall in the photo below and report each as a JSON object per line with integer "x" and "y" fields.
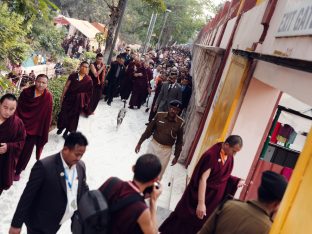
{"x": 295, "y": 213}
{"x": 226, "y": 104}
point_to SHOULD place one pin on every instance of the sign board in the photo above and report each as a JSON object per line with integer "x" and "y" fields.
{"x": 296, "y": 19}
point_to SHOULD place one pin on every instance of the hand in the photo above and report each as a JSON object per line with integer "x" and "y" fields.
{"x": 241, "y": 183}
{"x": 3, "y": 148}
{"x": 149, "y": 90}
{"x": 137, "y": 148}
{"x": 174, "y": 161}
{"x": 99, "y": 82}
{"x": 201, "y": 210}
{"x": 156, "y": 192}
{"x": 14, "y": 230}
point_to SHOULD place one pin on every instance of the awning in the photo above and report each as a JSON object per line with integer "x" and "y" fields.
{"x": 85, "y": 27}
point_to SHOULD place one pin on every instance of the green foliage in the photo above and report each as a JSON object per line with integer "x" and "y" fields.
{"x": 47, "y": 41}
{"x": 100, "y": 38}
{"x": 88, "y": 56}
{"x": 157, "y": 5}
{"x": 70, "y": 65}
{"x": 185, "y": 20}
{"x": 13, "y": 44}
{"x": 6, "y": 86}
{"x": 56, "y": 87}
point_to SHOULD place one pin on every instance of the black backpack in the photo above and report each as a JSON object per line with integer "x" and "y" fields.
{"x": 94, "y": 213}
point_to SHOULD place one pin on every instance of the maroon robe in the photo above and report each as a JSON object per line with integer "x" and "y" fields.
{"x": 97, "y": 88}
{"x": 76, "y": 101}
{"x": 157, "y": 91}
{"x": 12, "y": 132}
{"x": 139, "y": 87}
{"x": 220, "y": 182}
{"x": 36, "y": 114}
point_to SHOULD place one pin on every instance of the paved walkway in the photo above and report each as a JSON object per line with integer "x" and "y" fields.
{"x": 110, "y": 153}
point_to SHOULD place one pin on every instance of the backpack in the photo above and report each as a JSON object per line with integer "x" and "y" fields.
{"x": 94, "y": 213}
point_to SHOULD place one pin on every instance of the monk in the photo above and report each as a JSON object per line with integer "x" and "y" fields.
{"x": 75, "y": 100}
{"x": 140, "y": 86}
{"x": 12, "y": 139}
{"x": 35, "y": 110}
{"x": 97, "y": 73}
{"x": 210, "y": 183}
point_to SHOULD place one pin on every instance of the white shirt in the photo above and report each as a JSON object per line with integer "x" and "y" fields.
{"x": 71, "y": 192}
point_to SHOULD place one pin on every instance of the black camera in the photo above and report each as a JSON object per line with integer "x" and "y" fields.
{"x": 150, "y": 189}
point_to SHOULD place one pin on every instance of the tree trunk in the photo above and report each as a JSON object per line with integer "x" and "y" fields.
{"x": 112, "y": 26}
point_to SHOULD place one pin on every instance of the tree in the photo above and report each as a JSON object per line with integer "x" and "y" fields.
{"x": 100, "y": 38}
{"x": 47, "y": 41}
{"x": 13, "y": 46}
{"x": 187, "y": 17}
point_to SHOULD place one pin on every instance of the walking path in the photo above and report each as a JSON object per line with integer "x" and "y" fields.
{"x": 110, "y": 153}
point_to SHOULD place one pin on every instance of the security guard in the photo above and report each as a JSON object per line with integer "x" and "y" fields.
{"x": 251, "y": 217}
{"x": 167, "y": 130}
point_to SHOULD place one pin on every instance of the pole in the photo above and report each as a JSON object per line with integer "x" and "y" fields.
{"x": 151, "y": 31}
{"x": 163, "y": 27}
{"x": 117, "y": 31}
{"x": 148, "y": 32}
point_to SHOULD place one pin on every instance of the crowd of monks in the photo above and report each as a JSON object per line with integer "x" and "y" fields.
{"x": 25, "y": 121}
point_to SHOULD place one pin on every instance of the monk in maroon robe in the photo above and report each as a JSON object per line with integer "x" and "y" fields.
{"x": 126, "y": 82}
{"x": 12, "y": 138}
{"x": 139, "y": 86}
{"x": 75, "y": 100}
{"x": 35, "y": 110}
{"x": 97, "y": 73}
{"x": 210, "y": 183}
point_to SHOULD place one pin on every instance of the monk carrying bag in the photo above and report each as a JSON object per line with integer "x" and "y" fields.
{"x": 94, "y": 213}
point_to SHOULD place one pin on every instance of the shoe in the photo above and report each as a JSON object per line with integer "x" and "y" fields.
{"x": 59, "y": 131}
{"x": 17, "y": 177}
{"x": 147, "y": 124}
{"x": 65, "y": 134}
{"x": 131, "y": 107}
{"x": 109, "y": 103}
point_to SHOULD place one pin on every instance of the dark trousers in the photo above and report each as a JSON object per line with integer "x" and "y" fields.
{"x": 112, "y": 87}
{"x": 24, "y": 157}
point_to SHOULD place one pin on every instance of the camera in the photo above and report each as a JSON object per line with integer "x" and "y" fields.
{"x": 150, "y": 189}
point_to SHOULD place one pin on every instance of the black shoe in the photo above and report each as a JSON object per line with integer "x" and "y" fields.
{"x": 59, "y": 131}
{"x": 109, "y": 103}
{"x": 147, "y": 124}
{"x": 65, "y": 135}
{"x": 131, "y": 107}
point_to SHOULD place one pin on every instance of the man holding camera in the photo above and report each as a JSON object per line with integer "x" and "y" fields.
{"x": 136, "y": 217}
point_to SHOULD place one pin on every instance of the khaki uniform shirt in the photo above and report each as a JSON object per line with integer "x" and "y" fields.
{"x": 165, "y": 131}
{"x": 237, "y": 217}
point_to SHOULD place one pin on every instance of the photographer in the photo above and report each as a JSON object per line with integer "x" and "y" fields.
{"x": 136, "y": 217}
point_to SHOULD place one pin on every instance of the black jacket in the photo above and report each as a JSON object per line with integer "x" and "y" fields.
{"x": 43, "y": 202}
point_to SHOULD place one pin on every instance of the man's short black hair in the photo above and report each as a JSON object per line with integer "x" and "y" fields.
{"x": 272, "y": 187}
{"x": 75, "y": 138}
{"x": 8, "y": 96}
{"x": 84, "y": 62}
{"x": 42, "y": 75}
{"x": 99, "y": 55}
{"x": 118, "y": 56}
{"x": 234, "y": 140}
{"x": 147, "y": 168}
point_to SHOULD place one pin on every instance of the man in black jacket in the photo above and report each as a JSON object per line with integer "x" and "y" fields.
{"x": 114, "y": 76}
{"x": 52, "y": 193}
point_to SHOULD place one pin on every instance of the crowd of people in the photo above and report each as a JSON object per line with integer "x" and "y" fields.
{"x": 58, "y": 182}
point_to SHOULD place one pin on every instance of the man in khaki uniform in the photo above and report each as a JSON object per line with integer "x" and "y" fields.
{"x": 251, "y": 217}
{"x": 167, "y": 130}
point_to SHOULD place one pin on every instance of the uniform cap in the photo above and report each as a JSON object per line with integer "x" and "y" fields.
{"x": 176, "y": 103}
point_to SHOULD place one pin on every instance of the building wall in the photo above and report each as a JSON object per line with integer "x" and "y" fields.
{"x": 253, "y": 118}
{"x": 294, "y": 47}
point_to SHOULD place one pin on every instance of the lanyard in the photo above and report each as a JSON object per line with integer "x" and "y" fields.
{"x": 70, "y": 184}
